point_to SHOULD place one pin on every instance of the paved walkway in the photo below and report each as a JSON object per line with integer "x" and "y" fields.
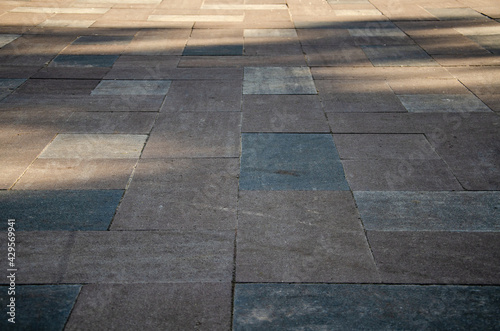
{"x": 250, "y": 165}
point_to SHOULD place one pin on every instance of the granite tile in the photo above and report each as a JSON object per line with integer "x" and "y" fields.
{"x": 429, "y": 211}
{"x": 401, "y": 55}
{"x": 60, "y": 210}
{"x": 490, "y": 42}
{"x": 124, "y": 257}
{"x": 384, "y": 146}
{"x": 278, "y": 80}
{"x": 195, "y": 134}
{"x": 76, "y": 174}
{"x": 400, "y": 175}
{"x": 181, "y": 194}
{"x": 153, "y": 306}
{"x": 456, "y": 14}
{"x": 132, "y": 87}
{"x": 43, "y": 307}
{"x": 7, "y": 38}
{"x": 301, "y": 237}
{"x": 283, "y": 113}
{"x": 158, "y": 42}
{"x": 270, "y": 33}
{"x": 160, "y": 72}
{"x": 103, "y": 40}
{"x": 324, "y": 37}
{"x": 68, "y": 60}
{"x": 364, "y": 307}
{"x": 372, "y": 123}
{"x": 94, "y": 73}
{"x": 430, "y": 257}
{"x": 56, "y": 87}
{"x": 358, "y": 96}
{"x": 59, "y": 23}
{"x": 443, "y": 103}
{"x": 111, "y": 122}
{"x": 265, "y": 47}
{"x": 290, "y": 162}
{"x": 335, "y": 55}
{"x": 204, "y": 95}
{"x": 284, "y": 60}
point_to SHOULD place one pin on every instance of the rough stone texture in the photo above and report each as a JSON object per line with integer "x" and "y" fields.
{"x": 382, "y": 307}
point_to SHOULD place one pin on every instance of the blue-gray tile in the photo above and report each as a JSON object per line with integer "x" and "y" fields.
{"x": 213, "y": 50}
{"x": 84, "y": 60}
{"x": 429, "y": 211}
{"x": 365, "y": 307}
{"x": 39, "y": 307}
{"x": 290, "y": 162}
{"x": 420, "y": 103}
{"x": 90, "y": 210}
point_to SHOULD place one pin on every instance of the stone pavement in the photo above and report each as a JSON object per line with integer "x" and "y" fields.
{"x": 250, "y": 164}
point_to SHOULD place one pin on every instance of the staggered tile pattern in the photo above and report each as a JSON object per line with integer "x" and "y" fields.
{"x": 255, "y": 165}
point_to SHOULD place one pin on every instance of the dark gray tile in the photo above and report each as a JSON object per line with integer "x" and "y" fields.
{"x": 109, "y": 122}
{"x": 358, "y": 96}
{"x": 181, "y": 194}
{"x": 295, "y": 236}
{"x": 102, "y": 40}
{"x": 400, "y": 175}
{"x": 443, "y": 103}
{"x": 335, "y": 55}
{"x": 427, "y": 257}
{"x": 290, "y": 162}
{"x": 45, "y": 307}
{"x": 60, "y": 210}
{"x": 283, "y": 113}
{"x": 401, "y": 55}
{"x": 132, "y": 87}
{"x": 195, "y": 134}
{"x": 207, "y": 95}
{"x": 64, "y": 60}
{"x": 212, "y": 50}
{"x": 160, "y": 71}
{"x": 173, "y": 306}
{"x": 56, "y": 87}
{"x": 365, "y": 307}
{"x": 372, "y": 123}
{"x": 429, "y": 211}
{"x": 123, "y": 257}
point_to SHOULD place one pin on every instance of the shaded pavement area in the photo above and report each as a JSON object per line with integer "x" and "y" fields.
{"x": 250, "y": 165}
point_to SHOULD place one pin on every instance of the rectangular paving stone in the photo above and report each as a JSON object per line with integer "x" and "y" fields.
{"x": 195, "y": 134}
{"x": 54, "y": 23}
{"x": 56, "y": 72}
{"x": 270, "y": 33}
{"x": 297, "y": 236}
{"x": 181, "y": 194}
{"x": 335, "y": 55}
{"x": 400, "y": 175}
{"x": 443, "y": 103}
{"x": 456, "y": 14}
{"x": 372, "y": 123}
{"x": 119, "y": 257}
{"x": 42, "y": 307}
{"x": 59, "y": 10}
{"x": 60, "y": 210}
{"x": 265, "y": 47}
{"x": 283, "y": 113}
{"x": 324, "y": 37}
{"x": 290, "y": 162}
{"x": 358, "y": 96}
{"x": 153, "y": 306}
{"x": 76, "y": 174}
{"x": 95, "y": 146}
{"x": 401, "y": 55}
{"x": 132, "y": 87}
{"x": 204, "y": 95}
{"x": 429, "y": 211}
{"x": 111, "y": 122}
{"x": 278, "y": 80}
{"x": 66, "y": 60}
{"x": 7, "y": 86}
{"x": 284, "y": 60}
{"x": 384, "y": 146}
{"x": 196, "y": 18}
{"x": 491, "y": 42}
{"x": 7, "y": 38}
{"x": 436, "y": 257}
{"x": 42, "y": 88}
{"x": 210, "y": 50}
{"x": 364, "y": 307}
{"x": 103, "y": 40}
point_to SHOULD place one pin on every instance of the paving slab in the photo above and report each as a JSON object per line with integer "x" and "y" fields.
{"x": 335, "y": 55}
{"x": 7, "y": 86}
{"x": 283, "y": 113}
{"x": 384, "y": 146}
{"x": 158, "y": 42}
{"x": 339, "y": 96}
{"x": 76, "y": 174}
{"x": 401, "y": 55}
{"x": 67, "y": 60}
{"x": 350, "y": 306}
{"x": 204, "y": 95}
{"x": 124, "y": 257}
{"x": 163, "y": 72}
{"x": 290, "y": 162}
{"x": 7, "y": 38}
{"x": 265, "y": 47}
{"x": 372, "y": 123}
{"x": 270, "y": 33}
{"x": 43, "y": 307}
{"x": 443, "y": 103}
{"x": 60, "y": 210}
{"x": 429, "y": 211}
{"x": 284, "y": 235}
{"x": 181, "y": 194}
{"x": 455, "y": 14}
{"x": 61, "y": 23}
{"x": 153, "y": 306}
{"x": 242, "y": 61}
{"x": 56, "y": 87}
{"x": 436, "y": 257}
{"x": 132, "y": 87}
{"x": 324, "y": 37}
{"x": 57, "y": 72}
{"x": 400, "y": 175}
{"x": 278, "y": 80}
{"x": 195, "y": 134}
{"x": 490, "y": 42}
{"x": 111, "y": 122}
